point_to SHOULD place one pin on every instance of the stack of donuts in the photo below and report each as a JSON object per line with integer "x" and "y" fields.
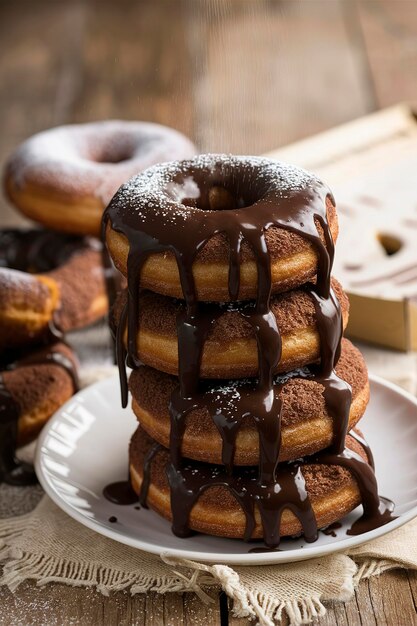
{"x": 246, "y": 393}
{"x": 52, "y": 279}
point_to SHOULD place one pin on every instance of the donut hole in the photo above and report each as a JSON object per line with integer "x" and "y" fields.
{"x": 218, "y": 183}
{"x": 115, "y": 154}
{"x": 208, "y": 196}
{"x": 216, "y": 198}
{"x": 390, "y": 243}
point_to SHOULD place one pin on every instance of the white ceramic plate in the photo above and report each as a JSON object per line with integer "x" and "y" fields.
{"x": 84, "y": 447}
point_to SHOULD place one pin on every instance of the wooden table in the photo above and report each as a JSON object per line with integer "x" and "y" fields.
{"x": 237, "y": 76}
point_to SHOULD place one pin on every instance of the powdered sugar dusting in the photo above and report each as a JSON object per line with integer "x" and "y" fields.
{"x": 162, "y": 188}
{"x": 231, "y": 391}
{"x": 94, "y": 159}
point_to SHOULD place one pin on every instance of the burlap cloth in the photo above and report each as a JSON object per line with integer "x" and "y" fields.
{"x": 46, "y": 545}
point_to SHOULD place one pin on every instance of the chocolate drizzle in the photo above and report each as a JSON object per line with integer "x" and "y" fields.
{"x": 177, "y": 208}
{"x": 12, "y": 470}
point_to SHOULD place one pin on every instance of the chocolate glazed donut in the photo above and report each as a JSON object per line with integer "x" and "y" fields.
{"x": 189, "y": 206}
{"x": 152, "y": 213}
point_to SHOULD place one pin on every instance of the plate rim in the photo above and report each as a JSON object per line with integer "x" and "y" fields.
{"x": 264, "y": 558}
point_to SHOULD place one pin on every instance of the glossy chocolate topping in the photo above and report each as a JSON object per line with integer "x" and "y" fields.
{"x": 177, "y": 207}
{"x": 12, "y": 470}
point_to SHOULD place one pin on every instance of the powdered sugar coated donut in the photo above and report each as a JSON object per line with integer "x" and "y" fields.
{"x": 65, "y": 177}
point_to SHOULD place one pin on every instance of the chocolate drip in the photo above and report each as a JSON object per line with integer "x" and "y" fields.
{"x": 12, "y": 470}
{"x": 120, "y": 493}
{"x": 337, "y": 393}
{"x": 114, "y": 283}
{"x": 189, "y": 482}
{"x": 376, "y": 511}
{"x": 178, "y": 208}
{"x": 146, "y": 481}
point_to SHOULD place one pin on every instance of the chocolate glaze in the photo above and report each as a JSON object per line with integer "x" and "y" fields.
{"x": 147, "y": 473}
{"x": 177, "y": 208}
{"x": 114, "y": 283}
{"x": 12, "y": 470}
{"x": 196, "y": 477}
{"x": 120, "y": 493}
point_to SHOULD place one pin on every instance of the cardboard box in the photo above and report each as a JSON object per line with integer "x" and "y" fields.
{"x": 371, "y": 166}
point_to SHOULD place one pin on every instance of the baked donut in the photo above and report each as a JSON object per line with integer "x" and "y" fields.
{"x": 230, "y": 350}
{"x": 63, "y": 178}
{"x": 198, "y": 204}
{"x": 306, "y": 424}
{"x": 50, "y": 284}
{"x": 331, "y": 489}
{"x": 32, "y": 387}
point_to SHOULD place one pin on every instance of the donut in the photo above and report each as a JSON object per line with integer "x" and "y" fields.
{"x": 202, "y": 200}
{"x": 64, "y": 177}
{"x": 306, "y": 424}
{"x": 230, "y": 350}
{"x": 33, "y": 385}
{"x": 50, "y": 284}
{"x": 331, "y": 489}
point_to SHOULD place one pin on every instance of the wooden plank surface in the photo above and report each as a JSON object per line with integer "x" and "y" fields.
{"x": 244, "y": 76}
{"x": 389, "y": 30}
